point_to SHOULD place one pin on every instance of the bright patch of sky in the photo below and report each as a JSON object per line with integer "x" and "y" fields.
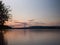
{"x": 40, "y": 10}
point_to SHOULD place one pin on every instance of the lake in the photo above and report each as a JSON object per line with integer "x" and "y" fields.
{"x": 32, "y": 37}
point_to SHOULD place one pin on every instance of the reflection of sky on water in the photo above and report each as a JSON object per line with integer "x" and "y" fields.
{"x": 27, "y": 37}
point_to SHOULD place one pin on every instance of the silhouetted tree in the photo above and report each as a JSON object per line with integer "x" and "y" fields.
{"x": 4, "y": 13}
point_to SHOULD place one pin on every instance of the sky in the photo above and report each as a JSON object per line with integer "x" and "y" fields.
{"x": 39, "y": 12}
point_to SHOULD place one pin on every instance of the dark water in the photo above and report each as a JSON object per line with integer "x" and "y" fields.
{"x": 32, "y": 37}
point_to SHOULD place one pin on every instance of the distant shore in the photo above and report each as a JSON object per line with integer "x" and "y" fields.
{"x": 39, "y": 27}
{"x": 31, "y": 27}
{"x": 5, "y": 27}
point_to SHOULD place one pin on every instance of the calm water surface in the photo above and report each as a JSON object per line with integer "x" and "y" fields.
{"x": 32, "y": 37}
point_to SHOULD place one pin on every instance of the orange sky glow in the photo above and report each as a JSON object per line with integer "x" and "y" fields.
{"x": 33, "y": 12}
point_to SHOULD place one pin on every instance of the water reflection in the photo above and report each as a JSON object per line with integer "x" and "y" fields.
{"x": 2, "y": 40}
{"x": 32, "y": 37}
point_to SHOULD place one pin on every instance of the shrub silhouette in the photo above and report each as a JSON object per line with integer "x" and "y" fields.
{"x": 4, "y": 13}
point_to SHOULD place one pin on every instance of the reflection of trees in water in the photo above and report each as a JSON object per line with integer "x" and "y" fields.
{"x": 2, "y": 41}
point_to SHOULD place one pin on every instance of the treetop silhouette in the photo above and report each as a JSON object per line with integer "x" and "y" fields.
{"x": 4, "y": 13}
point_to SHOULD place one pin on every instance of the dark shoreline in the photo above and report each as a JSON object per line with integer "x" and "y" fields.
{"x": 40, "y": 27}
{"x": 5, "y": 27}
{"x": 31, "y": 27}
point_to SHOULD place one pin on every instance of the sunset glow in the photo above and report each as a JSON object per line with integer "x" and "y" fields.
{"x": 44, "y": 12}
